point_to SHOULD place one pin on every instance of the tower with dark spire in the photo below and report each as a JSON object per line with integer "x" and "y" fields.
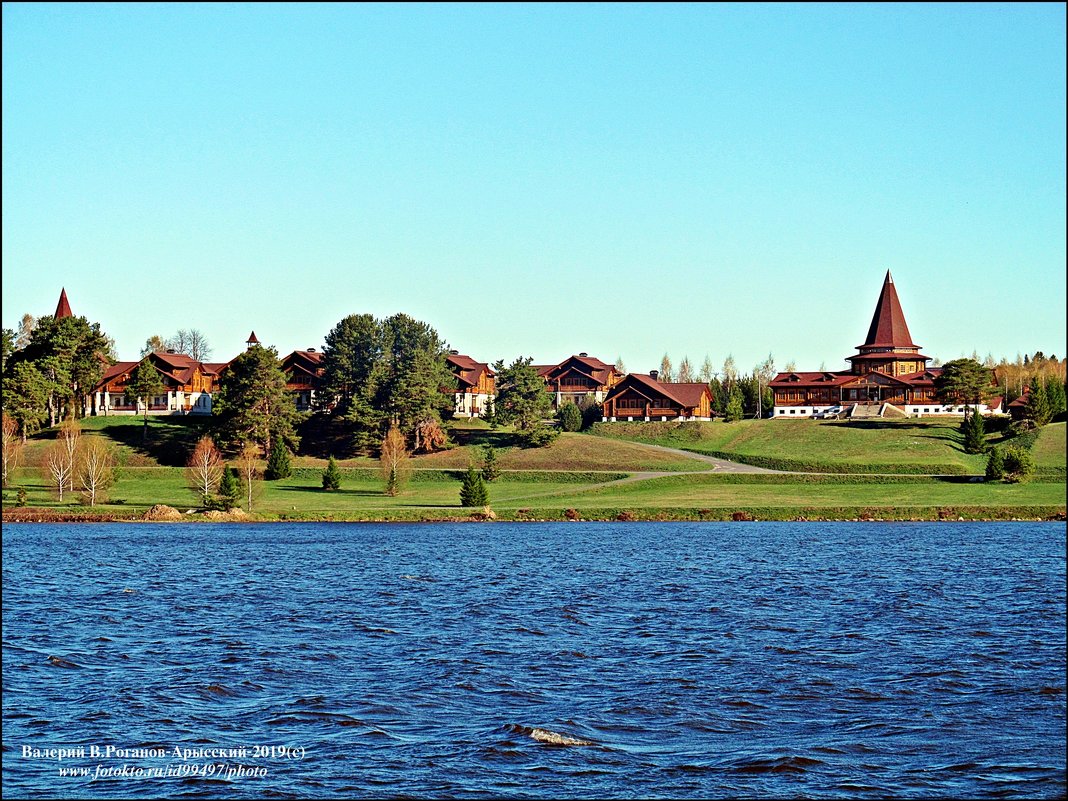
{"x": 63, "y": 307}
{"x": 251, "y": 341}
{"x": 888, "y": 347}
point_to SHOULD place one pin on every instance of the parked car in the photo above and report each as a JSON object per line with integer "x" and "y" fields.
{"x": 833, "y": 411}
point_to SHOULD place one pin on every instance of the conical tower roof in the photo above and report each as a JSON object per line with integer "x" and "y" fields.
{"x": 888, "y": 328}
{"x": 63, "y": 307}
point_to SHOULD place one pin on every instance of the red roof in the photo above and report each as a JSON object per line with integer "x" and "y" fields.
{"x": 589, "y": 366}
{"x": 252, "y": 339}
{"x": 467, "y": 369}
{"x": 888, "y": 328}
{"x": 687, "y": 394}
{"x": 63, "y": 307}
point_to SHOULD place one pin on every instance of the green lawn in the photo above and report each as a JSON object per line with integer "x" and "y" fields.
{"x": 435, "y": 494}
{"x": 1049, "y": 450}
{"x": 877, "y": 446}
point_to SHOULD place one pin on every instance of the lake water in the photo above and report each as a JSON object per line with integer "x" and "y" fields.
{"x": 677, "y": 659}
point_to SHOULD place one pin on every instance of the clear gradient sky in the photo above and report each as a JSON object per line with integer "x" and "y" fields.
{"x": 541, "y": 180}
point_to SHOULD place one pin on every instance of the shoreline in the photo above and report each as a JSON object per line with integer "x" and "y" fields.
{"x": 652, "y": 515}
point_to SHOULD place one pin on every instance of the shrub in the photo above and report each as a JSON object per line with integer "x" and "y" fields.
{"x": 569, "y": 417}
{"x": 278, "y": 465}
{"x": 20, "y": 497}
{"x": 1019, "y": 463}
{"x": 538, "y": 437}
{"x": 473, "y": 492}
{"x": 332, "y": 476}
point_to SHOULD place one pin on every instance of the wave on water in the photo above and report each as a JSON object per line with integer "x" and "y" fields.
{"x": 546, "y": 736}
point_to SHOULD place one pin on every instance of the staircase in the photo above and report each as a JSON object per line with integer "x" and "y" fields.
{"x": 865, "y": 411}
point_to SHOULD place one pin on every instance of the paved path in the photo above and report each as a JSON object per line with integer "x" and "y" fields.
{"x": 721, "y": 465}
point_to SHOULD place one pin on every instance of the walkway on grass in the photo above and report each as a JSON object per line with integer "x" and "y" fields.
{"x": 719, "y": 465}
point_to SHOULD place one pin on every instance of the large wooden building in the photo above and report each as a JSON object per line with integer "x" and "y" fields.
{"x": 475, "y": 384}
{"x": 304, "y": 376}
{"x": 645, "y": 397}
{"x": 188, "y": 386}
{"x": 888, "y": 376}
{"x": 578, "y": 376}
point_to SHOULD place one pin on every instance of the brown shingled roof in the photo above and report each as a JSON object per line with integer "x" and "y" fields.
{"x": 687, "y": 394}
{"x": 888, "y": 328}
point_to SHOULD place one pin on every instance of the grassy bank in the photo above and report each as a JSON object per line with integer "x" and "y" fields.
{"x": 869, "y": 446}
{"x": 555, "y": 495}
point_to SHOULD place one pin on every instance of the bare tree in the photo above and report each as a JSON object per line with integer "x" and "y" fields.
{"x": 192, "y": 343}
{"x": 730, "y": 372}
{"x": 96, "y": 468}
{"x": 665, "y": 370}
{"x": 429, "y": 436}
{"x": 249, "y": 466}
{"x": 154, "y": 344}
{"x": 26, "y": 326}
{"x": 622, "y": 368}
{"x": 12, "y": 446}
{"x": 708, "y": 372}
{"x": 59, "y": 469}
{"x": 70, "y": 434}
{"x": 791, "y": 366}
{"x": 685, "y": 375}
{"x": 204, "y": 469}
{"x": 393, "y": 459}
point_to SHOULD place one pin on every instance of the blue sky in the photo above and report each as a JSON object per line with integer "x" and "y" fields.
{"x": 541, "y": 180}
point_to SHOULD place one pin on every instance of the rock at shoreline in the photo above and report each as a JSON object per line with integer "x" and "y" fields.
{"x": 162, "y": 512}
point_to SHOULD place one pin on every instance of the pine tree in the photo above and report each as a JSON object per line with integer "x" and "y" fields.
{"x": 473, "y": 493}
{"x": 332, "y": 476}
{"x": 735, "y": 410}
{"x": 1038, "y": 410}
{"x": 973, "y": 431}
{"x": 230, "y": 489}
{"x": 995, "y": 465}
{"x": 278, "y": 464}
{"x": 491, "y": 469}
{"x": 1055, "y": 396}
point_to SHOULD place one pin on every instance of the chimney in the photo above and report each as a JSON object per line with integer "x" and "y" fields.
{"x": 171, "y": 350}
{"x": 654, "y": 374}
{"x": 311, "y": 350}
{"x": 584, "y": 354}
{"x": 454, "y": 353}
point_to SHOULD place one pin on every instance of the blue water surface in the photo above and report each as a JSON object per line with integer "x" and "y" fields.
{"x": 535, "y": 660}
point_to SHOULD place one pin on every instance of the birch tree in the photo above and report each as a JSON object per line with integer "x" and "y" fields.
{"x": 12, "y": 446}
{"x": 57, "y": 467}
{"x": 204, "y": 469}
{"x": 96, "y": 468}
{"x": 70, "y": 434}
{"x": 393, "y": 459}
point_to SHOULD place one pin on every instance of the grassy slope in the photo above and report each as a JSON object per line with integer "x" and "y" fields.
{"x": 570, "y": 452}
{"x": 1049, "y": 450}
{"x": 434, "y": 495}
{"x": 873, "y": 446}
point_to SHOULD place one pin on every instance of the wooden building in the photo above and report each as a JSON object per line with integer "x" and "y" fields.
{"x": 304, "y": 376}
{"x": 638, "y": 397}
{"x": 578, "y": 376}
{"x": 888, "y": 376}
{"x": 476, "y": 384}
{"x": 188, "y": 386}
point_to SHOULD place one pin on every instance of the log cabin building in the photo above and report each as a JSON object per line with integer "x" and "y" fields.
{"x": 578, "y": 376}
{"x": 888, "y": 376}
{"x": 188, "y": 386}
{"x": 304, "y": 376}
{"x": 475, "y": 384}
{"x": 638, "y": 397}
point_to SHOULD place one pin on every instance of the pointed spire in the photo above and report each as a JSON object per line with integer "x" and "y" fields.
{"x": 63, "y": 307}
{"x": 888, "y": 327}
{"x": 251, "y": 340}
